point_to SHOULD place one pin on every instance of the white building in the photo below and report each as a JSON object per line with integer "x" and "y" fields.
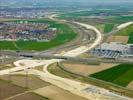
{"x": 113, "y": 50}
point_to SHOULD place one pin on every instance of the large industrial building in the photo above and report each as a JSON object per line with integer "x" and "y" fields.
{"x": 113, "y": 50}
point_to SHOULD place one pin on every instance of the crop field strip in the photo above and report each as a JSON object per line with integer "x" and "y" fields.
{"x": 120, "y": 75}
{"x": 108, "y": 28}
{"x": 15, "y": 88}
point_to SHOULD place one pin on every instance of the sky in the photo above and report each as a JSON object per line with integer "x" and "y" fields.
{"x": 99, "y": 1}
{"x": 62, "y": 2}
{"x": 108, "y": 1}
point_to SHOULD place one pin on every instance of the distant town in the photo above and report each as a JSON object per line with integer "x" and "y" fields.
{"x": 24, "y": 30}
{"x": 23, "y": 13}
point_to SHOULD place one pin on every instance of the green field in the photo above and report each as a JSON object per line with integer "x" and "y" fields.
{"x": 120, "y": 19}
{"x": 65, "y": 34}
{"x": 121, "y": 75}
{"x": 126, "y": 31}
{"x": 130, "y": 40}
{"x": 108, "y": 27}
{"x": 113, "y": 17}
{"x": 78, "y": 14}
{"x": 75, "y": 14}
{"x": 105, "y": 28}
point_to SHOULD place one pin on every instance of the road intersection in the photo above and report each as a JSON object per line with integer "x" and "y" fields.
{"x": 75, "y": 87}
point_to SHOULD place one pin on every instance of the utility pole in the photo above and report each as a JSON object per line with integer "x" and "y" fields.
{"x": 26, "y": 77}
{"x": 10, "y": 75}
{"x": 2, "y": 60}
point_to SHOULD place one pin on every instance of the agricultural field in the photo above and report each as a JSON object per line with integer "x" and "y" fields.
{"x": 105, "y": 28}
{"x": 73, "y": 15}
{"x": 100, "y": 27}
{"x": 108, "y": 28}
{"x": 56, "y": 93}
{"x": 120, "y": 19}
{"x": 130, "y": 40}
{"x": 64, "y": 34}
{"x": 109, "y": 16}
{"x": 17, "y": 84}
{"x": 31, "y": 82}
{"x": 120, "y": 39}
{"x": 30, "y": 96}
{"x": 6, "y": 66}
{"x": 8, "y": 89}
{"x": 115, "y": 14}
{"x": 121, "y": 75}
{"x": 30, "y": 87}
{"x": 128, "y": 31}
{"x": 85, "y": 69}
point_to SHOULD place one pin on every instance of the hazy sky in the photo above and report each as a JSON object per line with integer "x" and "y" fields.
{"x": 109, "y": 0}
{"x": 90, "y": 0}
{"x": 63, "y": 2}
{"x": 76, "y": 0}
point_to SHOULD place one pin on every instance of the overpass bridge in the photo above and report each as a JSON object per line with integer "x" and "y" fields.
{"x": 92, "y": 60}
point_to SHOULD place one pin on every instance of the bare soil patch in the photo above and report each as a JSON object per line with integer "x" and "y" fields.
{"x": 130, "y": 85}
{"x": 86, "y": 70}
{"x": 55, "y": 93}
{"x": 6, "y": 19}
{"x": 29, "y": 96}
{"x": 30, "y": 81}
{"x": 121, "y": 39}
{"x": 6, "y": 66}
{"x": 7, "y": 89}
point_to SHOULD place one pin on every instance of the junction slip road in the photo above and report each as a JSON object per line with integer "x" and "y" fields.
{"x": 82, "y": 89}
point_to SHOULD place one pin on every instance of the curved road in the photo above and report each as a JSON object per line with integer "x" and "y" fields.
{"x": 82, "y": 89}
{"x": 85, "y": 90}
{"x": 124, "y": 25}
